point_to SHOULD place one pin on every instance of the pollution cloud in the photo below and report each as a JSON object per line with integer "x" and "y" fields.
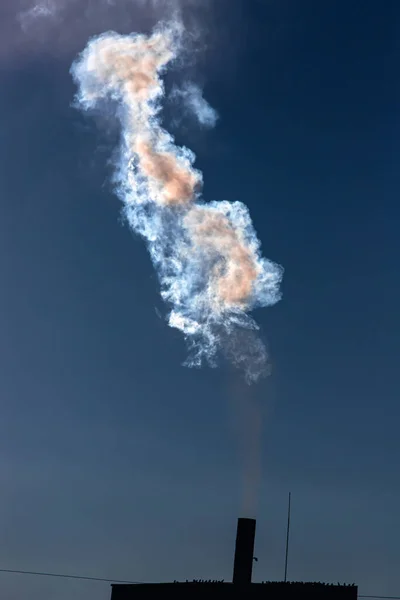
{"x": 207, "y": 255}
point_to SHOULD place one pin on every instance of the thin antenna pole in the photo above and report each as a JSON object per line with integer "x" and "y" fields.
{"x": 287, "y": 538}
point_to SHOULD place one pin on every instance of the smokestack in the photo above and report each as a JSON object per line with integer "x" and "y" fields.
{"x": 244, "y": 551}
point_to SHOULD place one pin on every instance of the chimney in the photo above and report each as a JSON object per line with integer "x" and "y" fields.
{"x": 244, "y": 551}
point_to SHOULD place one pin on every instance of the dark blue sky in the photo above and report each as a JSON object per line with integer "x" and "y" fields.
{"x": 114, "y": 459}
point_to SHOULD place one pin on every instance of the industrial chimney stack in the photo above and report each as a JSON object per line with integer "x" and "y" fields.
{"x": 244, "y": 551}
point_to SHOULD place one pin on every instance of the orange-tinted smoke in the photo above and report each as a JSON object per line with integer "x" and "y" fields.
{"x": 133, "y": 70}
{"x": 206, "y": 254}
{"x": 234, "y": 275}
{"x": 130, "y": 69}
{"x": 176, "y": 183}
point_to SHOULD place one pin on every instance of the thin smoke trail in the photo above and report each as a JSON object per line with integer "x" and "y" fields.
{"x": 207, "y": 255}
{"x": 247, "y": 419}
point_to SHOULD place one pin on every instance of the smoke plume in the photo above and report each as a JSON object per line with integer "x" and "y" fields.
{"x": 207, "y": 255}
{"x": 190, "y": 96}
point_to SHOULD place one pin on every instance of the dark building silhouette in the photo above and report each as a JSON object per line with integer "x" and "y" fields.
{"x": 241, "y": 586}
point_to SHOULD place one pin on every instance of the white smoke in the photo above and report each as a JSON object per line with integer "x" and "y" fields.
{"x": 43, "y": 10}
{"x": 190, "y": 97}
{"x": 207, "y": 255}
{"x": 58, "y": 29}
{"x": 32, "y": 10}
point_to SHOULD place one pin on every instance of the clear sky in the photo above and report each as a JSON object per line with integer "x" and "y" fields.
{"x": 116, "y": 461}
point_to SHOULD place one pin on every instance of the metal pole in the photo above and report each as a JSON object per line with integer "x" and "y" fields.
{"x": 287, "y": 538}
